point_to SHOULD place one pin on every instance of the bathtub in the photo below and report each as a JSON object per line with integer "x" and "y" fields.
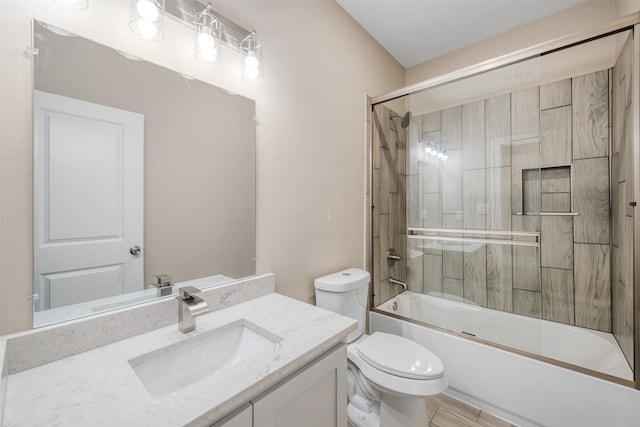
{"x": 594, "y": 350}
{"x": 523, "y": 390}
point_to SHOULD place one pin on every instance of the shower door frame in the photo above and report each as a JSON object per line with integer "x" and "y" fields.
{"x": 629, "y": 22}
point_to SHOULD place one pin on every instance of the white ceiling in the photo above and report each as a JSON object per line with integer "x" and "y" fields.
{"x": 414, "y": 31}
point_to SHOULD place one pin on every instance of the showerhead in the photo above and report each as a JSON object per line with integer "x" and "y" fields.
{"x": 405, "y": 120}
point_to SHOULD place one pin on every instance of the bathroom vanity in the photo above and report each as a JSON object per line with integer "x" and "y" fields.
{"x": 313, "y": 396}
{"x": 258, "y": 359}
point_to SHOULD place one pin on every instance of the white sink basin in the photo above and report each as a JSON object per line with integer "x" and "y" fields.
{"x": 168, "y": 369}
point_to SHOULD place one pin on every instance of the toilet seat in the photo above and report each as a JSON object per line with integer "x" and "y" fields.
{"x": 393, "y": 383}
{"x": 400, "y": 356}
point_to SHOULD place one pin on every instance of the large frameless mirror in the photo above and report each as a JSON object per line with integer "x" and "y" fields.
{"x": 139, "y": 172}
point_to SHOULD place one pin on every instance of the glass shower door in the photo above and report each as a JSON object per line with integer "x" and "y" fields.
{"x": 517, "y": 222}
{"x": 477, "y": 218}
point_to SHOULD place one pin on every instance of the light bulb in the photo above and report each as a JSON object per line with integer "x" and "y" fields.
{"x": 434, "y": 152}
{"x": 146, "y": 29}
{"x": 251, "y": 62}
{"x": 444, "y": 158}
{"x": 440, "y": 155}
{"x": 147, "y": 10}
{"x": 427, "y": 150}
{"x": 207, "y": 51}
{"x": 205, "y": 39}
{"x": 251, "y": 66}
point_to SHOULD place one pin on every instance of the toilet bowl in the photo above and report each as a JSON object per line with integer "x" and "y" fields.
{"x": 388, "y": 376}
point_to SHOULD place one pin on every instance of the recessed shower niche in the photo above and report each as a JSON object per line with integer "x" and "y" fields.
{"x": 546, "y": 191}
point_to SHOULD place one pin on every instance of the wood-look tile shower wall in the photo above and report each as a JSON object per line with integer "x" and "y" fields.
{"x": 541, "y": 149}
{"x": 389, "y": 216}
{"x": 518, "y": 154}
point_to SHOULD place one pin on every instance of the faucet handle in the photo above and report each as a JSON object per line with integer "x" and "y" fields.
{"x": 163, "y": 280}
{"x": 188, "y": 292}
{"x": 164, "y": 284}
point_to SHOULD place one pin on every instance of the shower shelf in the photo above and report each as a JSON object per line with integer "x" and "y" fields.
{"x": 412, "y": 233}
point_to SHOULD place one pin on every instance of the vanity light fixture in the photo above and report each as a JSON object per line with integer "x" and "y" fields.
{"x": 209, "y": 26}
{"x": 208, "y": 36}
{"x": 146, "y": 18}
{"x": 252, "y": 69}
{"x": 73, "y": 4}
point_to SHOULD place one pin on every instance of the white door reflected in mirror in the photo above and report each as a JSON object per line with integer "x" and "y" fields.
{"x": 88, "y": 200}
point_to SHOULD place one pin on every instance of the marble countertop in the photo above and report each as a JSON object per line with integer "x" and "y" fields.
{"x": 99, "y": 387}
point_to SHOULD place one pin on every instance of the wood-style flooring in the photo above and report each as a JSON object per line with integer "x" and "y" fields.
{"x": 445, "y": 411}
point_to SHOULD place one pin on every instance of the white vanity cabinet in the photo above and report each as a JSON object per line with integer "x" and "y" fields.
{"x": 314, "y": 396}
{"x": 241, "y": 417}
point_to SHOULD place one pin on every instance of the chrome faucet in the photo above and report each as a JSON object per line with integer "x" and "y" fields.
{"x": 164, "y": 284}
{"x": 190, "y": 306}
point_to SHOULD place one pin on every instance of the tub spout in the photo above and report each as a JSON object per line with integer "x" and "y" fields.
{"x": 398, "y": 282}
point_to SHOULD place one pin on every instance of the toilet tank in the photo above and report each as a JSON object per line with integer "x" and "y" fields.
{"x": 345, "y": 293}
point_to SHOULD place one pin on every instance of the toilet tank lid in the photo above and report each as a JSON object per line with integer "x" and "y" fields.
{"x": 343, "y": 281}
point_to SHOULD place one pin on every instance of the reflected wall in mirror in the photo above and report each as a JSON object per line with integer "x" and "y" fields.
{"x": 128, "y": 155}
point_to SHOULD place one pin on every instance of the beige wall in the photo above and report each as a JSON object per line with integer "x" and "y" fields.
{"x": 318, "y": 67}
{"x": 625, "y": 7}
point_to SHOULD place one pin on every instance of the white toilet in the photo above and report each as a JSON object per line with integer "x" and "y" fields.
{"x": 388, "y": 375}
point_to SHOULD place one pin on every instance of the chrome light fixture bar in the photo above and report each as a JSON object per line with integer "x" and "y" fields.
{"x": 187, "y": 11}
{"x": 146, "y": 19}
